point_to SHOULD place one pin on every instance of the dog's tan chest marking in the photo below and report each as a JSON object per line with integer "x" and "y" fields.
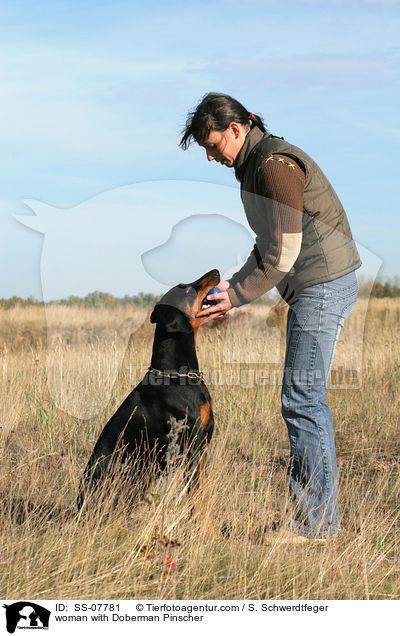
{"x": 205, "y": 412}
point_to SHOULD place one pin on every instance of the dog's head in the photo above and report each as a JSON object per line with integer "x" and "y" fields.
{"x": 177, "y": 309}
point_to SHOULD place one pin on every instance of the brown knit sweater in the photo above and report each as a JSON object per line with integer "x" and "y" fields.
{"x": 281, "y": 186}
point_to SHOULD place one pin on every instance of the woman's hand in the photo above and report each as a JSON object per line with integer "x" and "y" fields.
{"x": 216, "y": 311}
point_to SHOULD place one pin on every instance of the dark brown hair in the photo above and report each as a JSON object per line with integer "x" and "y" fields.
{"x": 215, "y": 112}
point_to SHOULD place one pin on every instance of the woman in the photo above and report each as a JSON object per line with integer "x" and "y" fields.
{"x": 304, "y": 247}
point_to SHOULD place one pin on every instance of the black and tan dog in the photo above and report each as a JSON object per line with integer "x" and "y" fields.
{"x": 172, "y": 393}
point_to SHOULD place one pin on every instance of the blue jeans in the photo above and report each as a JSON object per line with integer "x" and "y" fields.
{"x": 313, "y": 325}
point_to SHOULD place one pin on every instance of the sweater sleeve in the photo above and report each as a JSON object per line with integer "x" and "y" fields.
{"x": 280, "y": 196}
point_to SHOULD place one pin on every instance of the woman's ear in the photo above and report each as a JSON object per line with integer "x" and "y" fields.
{"x": 235, "y": 129}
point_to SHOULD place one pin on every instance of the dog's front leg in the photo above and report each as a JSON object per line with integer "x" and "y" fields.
{"x": 200, "y": 500}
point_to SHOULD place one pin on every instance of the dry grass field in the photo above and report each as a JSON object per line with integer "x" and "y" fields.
{"x": 58, "y": 390}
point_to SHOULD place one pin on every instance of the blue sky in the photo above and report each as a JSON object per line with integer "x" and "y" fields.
{"x": 95, "y": 94}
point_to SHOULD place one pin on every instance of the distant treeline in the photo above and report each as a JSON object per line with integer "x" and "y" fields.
{"x": 95, "y": 299}
{"x": 378, "y": 289}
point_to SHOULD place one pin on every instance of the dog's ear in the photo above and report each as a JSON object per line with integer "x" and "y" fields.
{"x": 172, "y": 319}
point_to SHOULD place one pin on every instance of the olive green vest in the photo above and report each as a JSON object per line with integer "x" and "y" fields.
{"x": 328, "y": 250}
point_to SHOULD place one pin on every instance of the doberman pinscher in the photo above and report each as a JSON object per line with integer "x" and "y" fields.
{"x": 170, "y": 409}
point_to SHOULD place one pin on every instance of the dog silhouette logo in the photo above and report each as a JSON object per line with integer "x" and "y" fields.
{"x": 99, "y": 244}
{"x": 26, "y": 615}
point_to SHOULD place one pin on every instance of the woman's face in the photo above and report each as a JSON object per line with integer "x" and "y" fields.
{"x": 223, "y": 147}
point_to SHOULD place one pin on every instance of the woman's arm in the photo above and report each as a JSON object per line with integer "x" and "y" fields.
{"x": 281, "y": 184}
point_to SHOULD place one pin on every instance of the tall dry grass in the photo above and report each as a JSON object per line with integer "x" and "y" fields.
{"x": 48, "y": 551}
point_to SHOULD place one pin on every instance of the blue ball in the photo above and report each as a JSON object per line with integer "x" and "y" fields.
{"x": 214, "y": 290}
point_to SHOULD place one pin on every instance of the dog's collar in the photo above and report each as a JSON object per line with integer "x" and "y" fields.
{"x": 195, "y": 375}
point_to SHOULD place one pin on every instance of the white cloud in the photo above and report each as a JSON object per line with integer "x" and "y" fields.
{"x": 81, "y": 102}
{"x": 312, "y": 70}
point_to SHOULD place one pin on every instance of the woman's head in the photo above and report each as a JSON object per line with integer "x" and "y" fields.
{"x": 220, "y": 124}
